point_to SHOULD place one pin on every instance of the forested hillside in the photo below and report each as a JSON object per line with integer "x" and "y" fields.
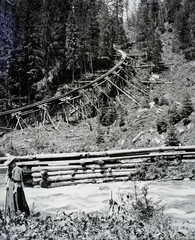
{"x": 53, "y": 43}
{"x": 49, "y": 44}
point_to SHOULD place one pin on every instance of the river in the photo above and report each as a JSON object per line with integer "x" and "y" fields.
{"x": 178, "y": 197}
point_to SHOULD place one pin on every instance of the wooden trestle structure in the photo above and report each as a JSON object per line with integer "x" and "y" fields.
{"x": 64, "y": 169}
{"x": 75, "y": 99}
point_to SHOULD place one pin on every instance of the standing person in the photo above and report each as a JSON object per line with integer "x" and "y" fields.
{"x": 15, "y": 198}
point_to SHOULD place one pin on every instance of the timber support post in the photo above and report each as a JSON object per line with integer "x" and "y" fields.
{"x": 19, "y": 120}
{"x": 46, "y": 114}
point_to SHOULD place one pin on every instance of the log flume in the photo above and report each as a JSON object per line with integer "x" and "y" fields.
{"x": 55, "y": 99}
{"x": 64, "y": 169}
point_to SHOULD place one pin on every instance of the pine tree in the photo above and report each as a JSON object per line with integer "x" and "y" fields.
{"x": 181, "y": 25}
{"x": 171, "y": 8}
{"x": 187, "y": 106}
{"x": 190, "y": 44}
{"x": 106, "y": 35}
{"x": 145, "y": 24}
{"x": 72, "y": 40}
{"x": 154, "y": 49}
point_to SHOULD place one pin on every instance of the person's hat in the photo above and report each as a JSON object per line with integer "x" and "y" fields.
{"x": 9, "y": 160}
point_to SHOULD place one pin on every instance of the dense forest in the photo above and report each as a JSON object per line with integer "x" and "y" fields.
{"x": 48, "y": 43}
{"x": 53, "y": 41}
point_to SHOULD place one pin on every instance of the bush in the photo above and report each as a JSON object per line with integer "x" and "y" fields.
{"x": 186, "y": 121}
{"x": 171, "y": 139}
{"x": 173, "y": 115}
{"x": 143, "y": 217}
{"x": 161, "y": 126}
{"x": 107, "y": 116}
{"x": 163, "y": 101}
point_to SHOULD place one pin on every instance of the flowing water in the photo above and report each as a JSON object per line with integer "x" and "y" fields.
{"x": 177, "y": 197}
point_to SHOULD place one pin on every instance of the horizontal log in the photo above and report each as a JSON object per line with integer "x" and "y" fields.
{"x": 29, "y": 163}
{"x": 61, "y": 173}
{"x": 110, "y": 159}
{"x": 110, "y": 153}
{"x": 68, "y": 162}
{"x": 88, "y": 167}
{"x": 55, "y": 156}
{"x": 83, "y": 176}
{"x": 102, "y": 153}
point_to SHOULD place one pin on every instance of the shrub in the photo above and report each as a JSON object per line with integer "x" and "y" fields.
{"x": 161, "y": 126}
{"x": 144, "y": 218}
{"x": 186, "y": 121}
{"x": 107, "y": 116}
{"x": 163, "y": 101}
{"x": 171, "y": 139}
{"x": 173, "y": 115}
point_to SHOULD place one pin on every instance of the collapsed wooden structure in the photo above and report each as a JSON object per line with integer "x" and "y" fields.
{"x": 63, "y": 169}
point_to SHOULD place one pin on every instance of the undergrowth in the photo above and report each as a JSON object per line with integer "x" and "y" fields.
{"x": 131, "y": 216}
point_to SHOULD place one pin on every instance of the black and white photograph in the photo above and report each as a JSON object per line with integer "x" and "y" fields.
{"x": 97, "y": 119}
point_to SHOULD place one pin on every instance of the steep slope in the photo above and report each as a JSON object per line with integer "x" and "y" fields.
{"x": 139, "y": 128}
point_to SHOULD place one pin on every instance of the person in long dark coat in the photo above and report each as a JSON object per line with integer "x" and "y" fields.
{"x": 15, "y": 198}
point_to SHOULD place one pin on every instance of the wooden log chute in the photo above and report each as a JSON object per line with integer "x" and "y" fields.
{"x": 69, "y": 93}
{"x": 94, "y": 166}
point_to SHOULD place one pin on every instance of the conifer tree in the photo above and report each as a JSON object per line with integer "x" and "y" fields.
{"x": 171, "y": 8}
{"x": 187, "y": 106}
{"x": 71, "y": 42}
{"x": 145, "y": 23}
{"x": 181, "y": 25}
{"x": 190, "y": 44}
{"x": 106, "y": 35}
{"x": 173, "y": 115}
{"x": 154, "y": 49}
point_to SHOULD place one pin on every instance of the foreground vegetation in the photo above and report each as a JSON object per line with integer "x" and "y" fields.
{"x": 131, "y": 216}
